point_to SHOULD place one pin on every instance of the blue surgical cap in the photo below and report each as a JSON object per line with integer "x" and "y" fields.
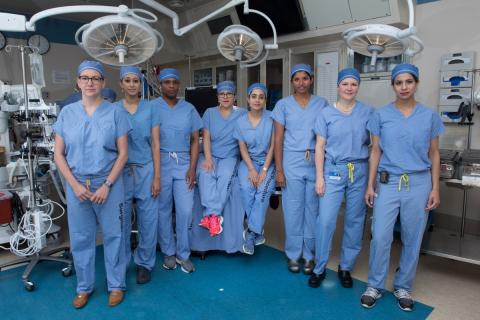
{"x": 92, "y": 65}
{"x": 130, "y": 70}
{"x": 169, "y": 73}
{"x": 348, "y": 73}
{"x": 254, "y": 86}
{"x": 109, "y": 94}
{"x": 301, "y": 67}
{"x": 226, "y": 86}
{"x": 405, "y": 68}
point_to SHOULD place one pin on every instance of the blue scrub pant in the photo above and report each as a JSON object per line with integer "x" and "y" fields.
{"x": 174, "y": 167}
{"x": 215, "y": 186}
{"x": 300, "y": 204}
{"x": 138, "y": 185}
{"x": 337, "y": 186}
{"x": 82, "y": 223}
{"x": 410, "y": 202}
{"x": 255, "y": 201}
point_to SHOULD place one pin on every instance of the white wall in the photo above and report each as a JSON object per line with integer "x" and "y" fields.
{"x": 448, "y": 26}
{"x": 60, "y": 57}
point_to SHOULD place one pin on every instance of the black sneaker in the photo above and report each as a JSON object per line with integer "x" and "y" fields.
{"x": 315, "y": 279}
{"x": 370, "y": 297}
{"x": 143, "y": 275}
{"x": 345, "y": 278}
{"x": 405, "y": 301}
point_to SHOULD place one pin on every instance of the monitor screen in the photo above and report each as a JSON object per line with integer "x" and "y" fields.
{"x": 202, "y": 98}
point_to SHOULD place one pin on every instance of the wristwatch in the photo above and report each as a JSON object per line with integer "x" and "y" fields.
{"x": 108, "y": 183}
{"x": 265, "y": 169}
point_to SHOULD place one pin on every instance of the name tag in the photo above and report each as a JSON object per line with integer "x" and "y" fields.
{"x": 334, "y": 176}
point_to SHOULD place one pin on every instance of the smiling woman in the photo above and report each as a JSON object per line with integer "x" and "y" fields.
{"x": 341, "y": 155}
{"x": 141, "y": 175}
{"x": 256, "y": 174}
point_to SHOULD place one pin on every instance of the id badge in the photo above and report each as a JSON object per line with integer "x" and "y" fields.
{"x": 335, "y": 176}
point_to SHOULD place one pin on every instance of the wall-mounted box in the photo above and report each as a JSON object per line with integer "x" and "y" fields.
{"x": 458, "y": 61}
{"x": 456, "y": 79}
{"x": 454, "y": 96}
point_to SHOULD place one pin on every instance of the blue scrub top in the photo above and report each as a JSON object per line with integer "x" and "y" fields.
{"x": 405, "y": 141}
{"x": 224, "y": 144}
{"x": 140, "y": 138}
{"x": 346, "y": 135}
{"x": 177, "y": 124}
{"x": 90, "y": 142}
{"x": 298, "y": 122}
{"x": 257, "y": 139}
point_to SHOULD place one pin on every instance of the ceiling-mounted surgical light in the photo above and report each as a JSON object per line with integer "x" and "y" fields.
{"x": 236, "y": 42}
{"x": 383, "y": 41}
{"x": 125, "y": 38}
{"x": 239, "y": 43}
{"x": 122, "y": 39}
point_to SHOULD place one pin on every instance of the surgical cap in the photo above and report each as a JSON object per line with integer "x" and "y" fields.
{"x": 301, "y": 67}
{"x": 92, "y": 65}
{"x": 169, "y": 73}
{"x": 405, "y": 68}
{"x": 109, "y": 94}
{"x": 226, "y": 86}
{"x": 254, "y": 86}
{"x": 130, "y": 70}
{"x": 348, "y": 73}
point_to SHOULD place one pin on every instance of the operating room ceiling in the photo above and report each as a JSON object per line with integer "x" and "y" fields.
{"x": 333, "y": 16}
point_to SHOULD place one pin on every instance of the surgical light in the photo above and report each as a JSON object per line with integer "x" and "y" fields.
{"x": 239, "y": 43}
{"x": 383, "y": 41}
{"x": 120, "y": 39}
{"x": 126, "y": 38}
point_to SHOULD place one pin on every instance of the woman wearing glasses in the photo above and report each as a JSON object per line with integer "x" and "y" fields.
{"x": 141, "y": 175}
{"x": 90, "y": 151}
{"x": 294, "y": 150}
{"x": 220, "y": 157}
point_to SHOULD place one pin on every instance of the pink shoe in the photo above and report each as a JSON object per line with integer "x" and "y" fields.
{"x": 205, "y": 222}
{"x": 215, "y": 225}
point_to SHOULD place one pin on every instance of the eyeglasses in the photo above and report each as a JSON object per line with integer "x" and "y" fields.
{"x": 225, "y": 94}
{"x": 95, "y": 80}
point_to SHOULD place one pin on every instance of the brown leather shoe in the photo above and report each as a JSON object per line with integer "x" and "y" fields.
{"x": 80, "y": 300}
{"x": 115, "y": 298}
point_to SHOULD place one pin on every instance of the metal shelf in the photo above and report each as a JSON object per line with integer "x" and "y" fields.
{"x": 451, "y": 245}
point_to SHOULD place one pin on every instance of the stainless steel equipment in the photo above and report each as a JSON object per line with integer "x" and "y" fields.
{"x": 448, "y": 163}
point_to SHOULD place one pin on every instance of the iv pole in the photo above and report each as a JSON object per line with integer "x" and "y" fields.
{"x": 32, "y": 197}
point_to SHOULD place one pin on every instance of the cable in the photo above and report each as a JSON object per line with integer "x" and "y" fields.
{"x": 28, "y": 235}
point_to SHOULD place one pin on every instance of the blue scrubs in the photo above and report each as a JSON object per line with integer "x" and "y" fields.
{"x": 177, "y": 124}
{"x": 215, "y": 185}
{"x": 345, "y": 173}
{"x": 405, "y": 142}
{"x": 299, "y": 200}
{"x": 91, "y": 151}
{"x": 138, "y": 177}
{"x": 258, "y": 140}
